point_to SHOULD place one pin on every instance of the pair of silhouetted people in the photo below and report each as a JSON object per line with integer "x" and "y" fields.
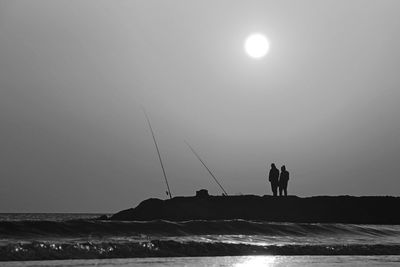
{"x": 278, "y": 181}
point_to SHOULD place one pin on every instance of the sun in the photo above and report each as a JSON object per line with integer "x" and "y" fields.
{"x": 256, "y": 45}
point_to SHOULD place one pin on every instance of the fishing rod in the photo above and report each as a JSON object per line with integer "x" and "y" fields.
{"x": 209, "y": 171}
{"x": 159, "y": 156}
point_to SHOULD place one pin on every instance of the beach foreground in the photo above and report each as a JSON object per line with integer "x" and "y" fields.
{"x": 235, "y": 261}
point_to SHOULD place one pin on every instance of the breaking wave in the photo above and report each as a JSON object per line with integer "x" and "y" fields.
{"x": 90, "y": 239}
{"x": 158, "y": 248}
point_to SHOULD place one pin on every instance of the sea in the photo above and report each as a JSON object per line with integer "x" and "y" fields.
{"x": 64, "y": 239}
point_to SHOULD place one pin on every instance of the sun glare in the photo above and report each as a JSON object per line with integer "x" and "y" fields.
{"x": 257, "y": 261}
{"x": 256, "y": 45}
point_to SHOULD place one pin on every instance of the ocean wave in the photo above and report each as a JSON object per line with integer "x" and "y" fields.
{"x": 81, "y": 228}
{"x": 170, "y": 248}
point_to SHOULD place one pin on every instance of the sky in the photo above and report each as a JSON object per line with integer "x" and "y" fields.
{"x": 76, "y": 75}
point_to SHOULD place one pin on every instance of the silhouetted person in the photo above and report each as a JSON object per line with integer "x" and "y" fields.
{"x": 273, "y": 179}
{"x": 283, "y": 181}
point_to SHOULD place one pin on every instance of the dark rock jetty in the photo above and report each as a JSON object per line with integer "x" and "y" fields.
{"x": 317, "y": 209}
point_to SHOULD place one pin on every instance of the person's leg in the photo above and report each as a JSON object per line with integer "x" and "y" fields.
{"x": 285, "y": 190}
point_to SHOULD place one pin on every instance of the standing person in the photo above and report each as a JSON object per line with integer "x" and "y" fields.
{"x": 283, "y": 181}
{"x": 273, "y": 179}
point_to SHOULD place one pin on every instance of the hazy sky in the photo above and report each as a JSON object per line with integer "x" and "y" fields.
{"x": 75, "y": 74}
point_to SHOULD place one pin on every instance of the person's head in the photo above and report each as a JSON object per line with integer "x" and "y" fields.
{"x": 283, "y": 168}
{"x": 273, "y": 166}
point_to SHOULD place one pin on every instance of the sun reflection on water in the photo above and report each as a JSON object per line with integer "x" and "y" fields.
{"x": 257, "y": 261}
